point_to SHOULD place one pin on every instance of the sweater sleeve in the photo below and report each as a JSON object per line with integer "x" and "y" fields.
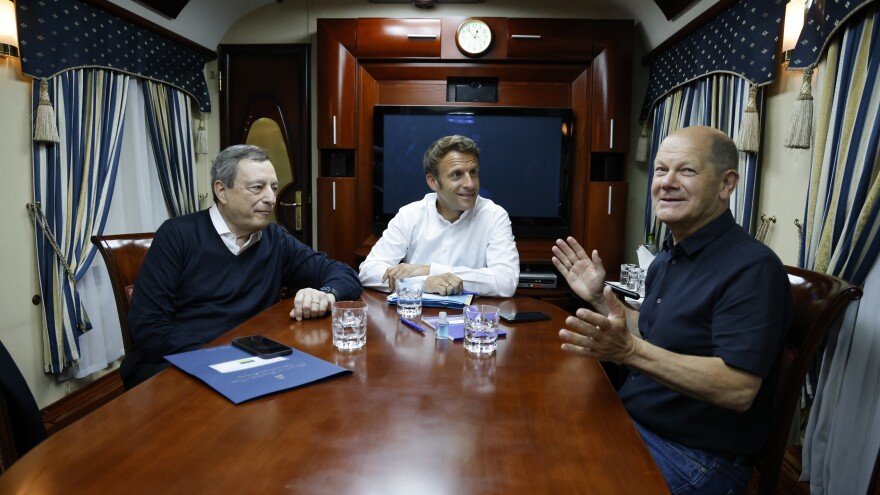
{"x": 308, "y": 268}
{"x": 151, "y": 316}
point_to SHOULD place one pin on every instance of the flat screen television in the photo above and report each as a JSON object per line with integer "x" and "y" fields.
{"x": 525, "y": 160}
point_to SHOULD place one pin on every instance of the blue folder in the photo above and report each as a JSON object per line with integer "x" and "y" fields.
{"x": 456, "y": 301}
{"x": 294, "y": 370}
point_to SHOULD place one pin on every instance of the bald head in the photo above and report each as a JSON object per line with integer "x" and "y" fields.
{"x": 718, "y": 150}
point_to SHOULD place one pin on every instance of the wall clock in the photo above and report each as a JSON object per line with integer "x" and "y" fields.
{"x": 473, "y": 37}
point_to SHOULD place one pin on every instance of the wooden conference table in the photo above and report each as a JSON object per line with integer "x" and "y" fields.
{"x": 417, "y": 416}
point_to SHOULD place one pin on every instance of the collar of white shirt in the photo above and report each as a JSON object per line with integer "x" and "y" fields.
{"x": 227, "y": 235}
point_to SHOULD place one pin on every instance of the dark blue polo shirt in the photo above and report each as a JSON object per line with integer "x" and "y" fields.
{"x": 718, "y": 293}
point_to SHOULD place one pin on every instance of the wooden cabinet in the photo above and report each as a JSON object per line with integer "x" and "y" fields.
{"x": 606, "y": 228}
{"x": 336, "y": 214}
{"x": 398, "y": 38}
{"x": 550, "y": 39}
{"x": 336, "y": 83}
{"x": 612, "y": 85}
{"x": 581, "y": 64}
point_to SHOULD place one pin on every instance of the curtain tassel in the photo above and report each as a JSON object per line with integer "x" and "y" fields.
{"x": 801, "y": 130}
{"x": 642, "y": 144}
{"x": 45, "y": 127}
{"x": 749, "y": 137}
{"x": 202, "y": 137}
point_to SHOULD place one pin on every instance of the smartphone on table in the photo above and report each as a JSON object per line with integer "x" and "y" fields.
{"x": 524, "y": 316}
{"x": 260, "y": 346}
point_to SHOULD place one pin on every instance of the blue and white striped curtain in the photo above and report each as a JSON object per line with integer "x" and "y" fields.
{"x": 841, "y": 238}
{"x": 73, "y": 183}
{"x": 718, "y": 101}
{"x": 170, "y": 123}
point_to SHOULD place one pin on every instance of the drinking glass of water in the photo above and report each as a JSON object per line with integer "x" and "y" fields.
{"x": 409, "y": 297}
{"x": 349, "y": 325}
{"x": 480, "y": 328}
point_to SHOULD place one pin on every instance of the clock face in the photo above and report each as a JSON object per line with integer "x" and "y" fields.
{"x": 473, "y": 37}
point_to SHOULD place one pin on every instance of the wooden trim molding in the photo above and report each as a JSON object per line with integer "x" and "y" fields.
{"x": 139, "y": 21}
{"x": 85, "y": 400}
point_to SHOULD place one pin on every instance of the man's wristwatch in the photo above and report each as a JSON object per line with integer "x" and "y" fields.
{"x": 330, "y": 290}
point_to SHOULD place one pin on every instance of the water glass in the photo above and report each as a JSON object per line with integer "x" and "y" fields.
{"x": 480, "y": 328}
{"x": 349, "y": 325}
{"x": 632, "y": 282}
{"x": 624, "y": 274}
{"x": 409, "y": 297}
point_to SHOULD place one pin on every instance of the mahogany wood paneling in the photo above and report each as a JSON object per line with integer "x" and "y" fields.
{"x": 550, "y": 39}
{"x": 336, "y": 82}
{"x": 612, "y": 85}
{"x": 606, "y": 224}
{"x": 398, "y": 38}
{"x": 336, "y": 202}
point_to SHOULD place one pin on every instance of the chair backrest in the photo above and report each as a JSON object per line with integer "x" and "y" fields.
{"x": 818, "y": 300}
{"x": 123, "y": 255}
{"x": 21, "y": 424}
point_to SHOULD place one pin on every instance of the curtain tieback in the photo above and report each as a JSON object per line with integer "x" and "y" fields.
{"x": 37, "y": 216}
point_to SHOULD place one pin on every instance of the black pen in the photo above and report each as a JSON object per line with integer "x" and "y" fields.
{"x": 412, "y": 325}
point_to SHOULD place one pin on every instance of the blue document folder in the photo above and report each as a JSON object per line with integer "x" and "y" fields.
{"x": 455, "y": 301}
{"x": 240, "y": 376}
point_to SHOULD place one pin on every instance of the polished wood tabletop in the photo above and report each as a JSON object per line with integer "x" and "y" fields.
{"x": 416, "y": 416}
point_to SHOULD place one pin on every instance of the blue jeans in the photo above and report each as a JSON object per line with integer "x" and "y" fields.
{"x": 693, "y": 471}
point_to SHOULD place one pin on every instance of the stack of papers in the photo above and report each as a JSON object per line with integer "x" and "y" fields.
{"x": 457, "y": 301}
{"x": 240, "y": 376}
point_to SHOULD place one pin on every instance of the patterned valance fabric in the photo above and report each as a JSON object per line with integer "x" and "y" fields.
{"x": 822, "y": 20}
{"x": 742, "y": 40}
{"x": 59, "y": 35}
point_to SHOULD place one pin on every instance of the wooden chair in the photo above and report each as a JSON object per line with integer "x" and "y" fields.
{"x": 123, "y": 255}
{"x": 818, "y": 301}
{"x": 21, "y": 425}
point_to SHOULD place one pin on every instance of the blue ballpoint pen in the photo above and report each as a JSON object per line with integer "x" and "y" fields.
{"x": 412, "y": 325}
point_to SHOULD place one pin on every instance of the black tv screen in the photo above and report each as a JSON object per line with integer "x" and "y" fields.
{"x": 524, "y": 160}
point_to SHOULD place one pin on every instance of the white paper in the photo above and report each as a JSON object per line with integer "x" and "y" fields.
{"x": 645, "y": 257}
{"x": 244, "y": 363}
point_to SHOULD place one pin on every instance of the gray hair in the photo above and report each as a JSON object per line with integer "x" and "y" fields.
{"x": 442, "y": 147}
{"x": 722, "y": 152}
{"x": 225, "y": 166}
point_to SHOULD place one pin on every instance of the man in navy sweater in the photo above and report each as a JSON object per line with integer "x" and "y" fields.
{"x": 209, "y": 271}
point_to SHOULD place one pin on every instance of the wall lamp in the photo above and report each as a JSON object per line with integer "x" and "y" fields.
{"x": 795, "y": 10}
{"x": 8, "y": 31}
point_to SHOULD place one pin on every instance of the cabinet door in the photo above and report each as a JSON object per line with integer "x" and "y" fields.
{"x": 612, "y": 85}
{"x": 549, "y": 39}
{"x": 398, "y": 38}
{"x": 606, "y": 227}
{"x": 336, "y": 218}
{"x": 336, "y": 83}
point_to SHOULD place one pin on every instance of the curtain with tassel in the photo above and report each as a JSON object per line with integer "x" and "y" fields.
{"x": 73, "y": 183}
{"x": 842, "y": 238}
{"x": 170, "y": 124}
{"x": 717, "y": 101}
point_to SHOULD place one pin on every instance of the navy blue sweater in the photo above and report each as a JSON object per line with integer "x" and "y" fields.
{"x": 191, "y": 289}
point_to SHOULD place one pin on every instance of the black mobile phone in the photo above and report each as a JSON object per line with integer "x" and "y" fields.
{"x": 624, "y": 292}
{"x": 524, "y": 316}
{"x": 263, "y": 347}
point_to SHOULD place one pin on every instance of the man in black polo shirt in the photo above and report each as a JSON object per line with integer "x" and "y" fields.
{"x": 704, "y": 349}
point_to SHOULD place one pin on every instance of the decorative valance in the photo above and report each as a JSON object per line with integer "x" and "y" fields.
{"x": 823, "y": 19}
{"x": 59, "y": 35}
{"x": 742, "y": 40}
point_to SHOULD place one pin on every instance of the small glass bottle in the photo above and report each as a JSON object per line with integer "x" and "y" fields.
{"x": 442, "y": 326}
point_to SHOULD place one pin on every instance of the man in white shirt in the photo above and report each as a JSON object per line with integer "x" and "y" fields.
{"x": 454, "y": 238}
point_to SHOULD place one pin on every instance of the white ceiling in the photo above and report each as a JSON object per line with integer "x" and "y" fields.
{"x": 207, "y": 21}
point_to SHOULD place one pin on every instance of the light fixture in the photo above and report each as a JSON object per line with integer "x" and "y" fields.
{"x": 8, "y": 31}
{"x": 791, "y": 29}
